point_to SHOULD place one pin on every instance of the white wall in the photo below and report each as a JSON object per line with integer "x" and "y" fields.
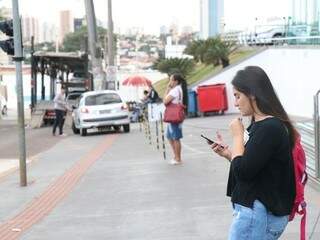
{"x": 294, "y": 73}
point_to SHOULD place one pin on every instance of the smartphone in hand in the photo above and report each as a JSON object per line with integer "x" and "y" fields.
{"x": 209, "y": 141}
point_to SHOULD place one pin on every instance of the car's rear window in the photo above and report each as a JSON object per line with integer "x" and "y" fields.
{"x": 102, "y": 99}
{"x": 73, "y": 96}
{"x": 79, "y": 74}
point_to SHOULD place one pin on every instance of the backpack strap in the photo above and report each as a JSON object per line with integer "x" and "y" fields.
{"x": 303, "y": 212}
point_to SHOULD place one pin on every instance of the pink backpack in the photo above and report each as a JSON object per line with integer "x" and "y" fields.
{"x": 301, "y": 177}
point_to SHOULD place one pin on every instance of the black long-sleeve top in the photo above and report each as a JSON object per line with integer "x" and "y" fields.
{"x": 265, "y": 171}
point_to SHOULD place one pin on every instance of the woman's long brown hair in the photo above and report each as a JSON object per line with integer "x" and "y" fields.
{"x": 253, "y": 81}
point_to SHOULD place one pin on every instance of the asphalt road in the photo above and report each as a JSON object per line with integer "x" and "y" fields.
{"x": 37, "y": 140}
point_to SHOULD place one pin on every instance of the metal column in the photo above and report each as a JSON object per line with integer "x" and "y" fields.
{"x": 316, "y": 132}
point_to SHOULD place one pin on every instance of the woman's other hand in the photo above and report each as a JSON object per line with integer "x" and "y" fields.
{"x": 236, "y": 127}
{"x": 237, "y": 132}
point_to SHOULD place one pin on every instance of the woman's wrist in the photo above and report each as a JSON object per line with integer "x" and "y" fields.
{"x": 238, "y": 146}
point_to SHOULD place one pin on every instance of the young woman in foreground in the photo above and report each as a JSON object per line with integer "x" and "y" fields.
{"x": 261, "y": 180}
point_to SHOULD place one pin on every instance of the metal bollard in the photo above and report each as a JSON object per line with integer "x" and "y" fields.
{"x": 157, "y": 134}
{"x": 145, "y": 127}
{"x": 163, "y": 142}
{"x": 149, "y": 133}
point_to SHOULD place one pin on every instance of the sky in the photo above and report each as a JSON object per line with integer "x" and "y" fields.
{"x": 151, "y": 14}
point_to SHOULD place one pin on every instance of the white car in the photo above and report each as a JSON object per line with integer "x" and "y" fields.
{"x": 102, "y": 110}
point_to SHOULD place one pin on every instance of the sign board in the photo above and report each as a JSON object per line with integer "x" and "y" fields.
{"x": 111, "y": 76}
{"x": 111, "y": 73}
{"x": 155, "y": 110}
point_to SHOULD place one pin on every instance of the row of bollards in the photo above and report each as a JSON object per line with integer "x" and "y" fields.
{"x": 145, "y": 124}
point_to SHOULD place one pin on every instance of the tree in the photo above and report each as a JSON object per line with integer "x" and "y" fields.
{"x": 224, "y": 50}
{"x": 75, "y": 41}
{"x": 218, "y": 51}
{"x": 197, "y": 49}
{"x": 175, "y": 65}
{"x": 211, "y": 55}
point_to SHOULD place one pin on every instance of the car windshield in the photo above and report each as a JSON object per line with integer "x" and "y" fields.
{"x": 102, "y": 99}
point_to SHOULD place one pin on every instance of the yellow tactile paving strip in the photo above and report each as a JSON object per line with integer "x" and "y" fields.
{"x": 41, "y": 206}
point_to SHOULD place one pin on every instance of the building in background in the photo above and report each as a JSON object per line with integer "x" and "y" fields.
{"x": 66, "y": 24}
{"x": 30, "y": 27}
{"x": 211, "y": 18}
{"x": 164, "y": 30}
{"x": 187, "y": 30}
{"x": 174, "y": 32}
{"x": 307, "y": 13}
{"x": 175, "y": 50}
{"x": 48, "y": 32}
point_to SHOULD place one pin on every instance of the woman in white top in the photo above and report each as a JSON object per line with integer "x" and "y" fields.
{"x": 176, "y": 92}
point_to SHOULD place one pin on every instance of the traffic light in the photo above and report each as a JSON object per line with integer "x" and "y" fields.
{"x": 7, "y": 45}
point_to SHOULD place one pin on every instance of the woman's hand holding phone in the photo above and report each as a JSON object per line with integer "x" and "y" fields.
{"x": 220, "y": 148}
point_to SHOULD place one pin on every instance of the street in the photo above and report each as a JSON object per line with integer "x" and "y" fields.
{"x": 37, "y": 140}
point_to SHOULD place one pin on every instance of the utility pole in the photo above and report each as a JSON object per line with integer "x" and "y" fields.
{"x": 18, "y": 57}
{"x": 111, "y": 68}
{"x": 98, "y": 75}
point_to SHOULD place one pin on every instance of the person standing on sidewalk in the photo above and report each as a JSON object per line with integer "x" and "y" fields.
{"x": 176, "y": 93}
{"x": 261, "y": 180}
{"x": 60, "y": 108}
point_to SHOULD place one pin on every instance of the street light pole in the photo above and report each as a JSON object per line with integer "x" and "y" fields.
{"x": 111, "y": 68}
{"x": 110, "y": 35}
{"x": 98, "y": 74}
{"x": 18, "y": 57}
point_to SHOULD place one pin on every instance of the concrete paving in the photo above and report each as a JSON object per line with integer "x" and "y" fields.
{"x": 132, "y": 193}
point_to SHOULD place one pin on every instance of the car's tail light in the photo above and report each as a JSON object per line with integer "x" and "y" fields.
{"x": 84, "y": 110}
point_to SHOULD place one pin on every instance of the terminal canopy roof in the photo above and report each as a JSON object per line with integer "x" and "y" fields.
{"x": 66, "y": 62}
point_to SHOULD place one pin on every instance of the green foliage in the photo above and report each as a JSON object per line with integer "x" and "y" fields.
{"x": 203, "y": 71}
{"x": 211, "y": 51}
{"x": 196, "y": 49}
{"x": 145, "y": 48}
{"x": 175, "y": 65}
{"x": 76, "y": 41}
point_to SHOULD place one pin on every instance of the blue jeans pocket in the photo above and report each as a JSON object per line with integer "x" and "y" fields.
{"x": 241, "y": 227}
{"x": 275, "y": 226}
{"x": 256, "y": 223}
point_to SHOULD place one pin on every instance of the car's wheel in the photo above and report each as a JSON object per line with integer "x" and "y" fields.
{"x": 116, "y": 128}
{"x": 83, "y": 132}
{"x": 74, "y": 129}
{"x": 126, "y": 128}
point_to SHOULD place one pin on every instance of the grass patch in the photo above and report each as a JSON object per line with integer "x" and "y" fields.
{"x": 202, "y": 71}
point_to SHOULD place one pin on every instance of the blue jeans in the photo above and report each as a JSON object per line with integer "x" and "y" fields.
{"x": 256, "y": 223}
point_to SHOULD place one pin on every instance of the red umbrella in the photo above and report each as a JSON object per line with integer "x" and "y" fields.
{"x": 137, "y": 81}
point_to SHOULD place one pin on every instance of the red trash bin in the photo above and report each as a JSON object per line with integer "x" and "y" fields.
{"x": 212, "y": 98}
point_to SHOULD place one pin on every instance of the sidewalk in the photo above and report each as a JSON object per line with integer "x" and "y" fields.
{"x": 117, "y": 186}
{"x": 11, "y": 118}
